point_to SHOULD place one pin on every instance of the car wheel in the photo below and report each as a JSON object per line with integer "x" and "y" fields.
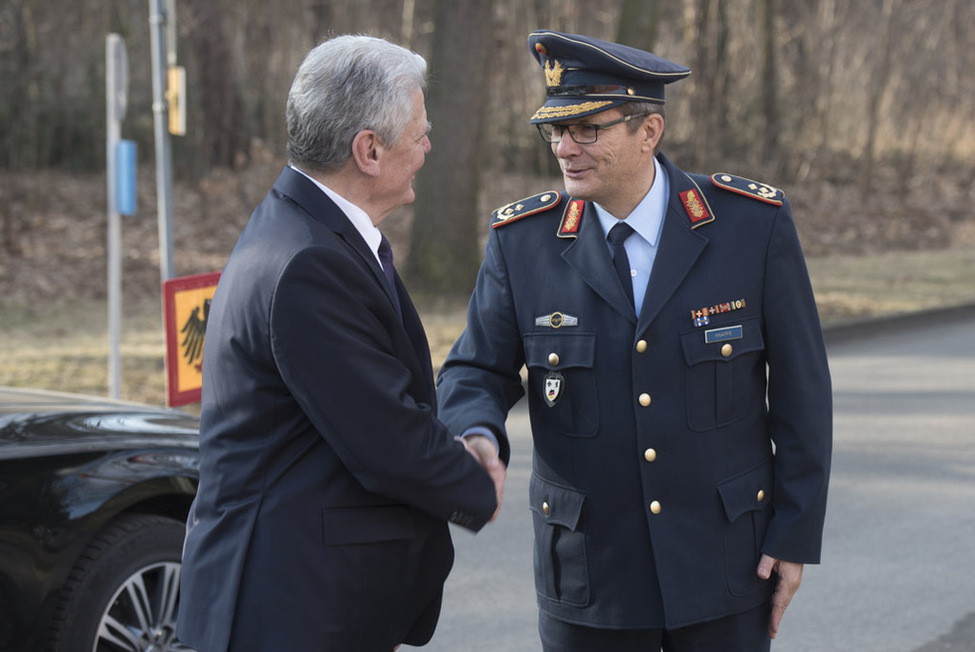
{"x": 123, "y": 594}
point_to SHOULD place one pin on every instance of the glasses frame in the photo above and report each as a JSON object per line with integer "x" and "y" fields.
{"x": 569, "y": 128}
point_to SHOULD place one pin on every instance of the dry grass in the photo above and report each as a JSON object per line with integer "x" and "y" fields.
{"x": 63, "y": 345}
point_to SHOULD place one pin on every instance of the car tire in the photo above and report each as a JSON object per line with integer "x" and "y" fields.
{"x": 123, "y": 592}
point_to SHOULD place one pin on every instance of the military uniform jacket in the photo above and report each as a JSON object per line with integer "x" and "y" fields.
{"x": 326, "y": 481}
{"x": 655, "y": 487}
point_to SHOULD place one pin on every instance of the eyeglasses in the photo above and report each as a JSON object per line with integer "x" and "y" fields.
{"x": 583, "y": 133}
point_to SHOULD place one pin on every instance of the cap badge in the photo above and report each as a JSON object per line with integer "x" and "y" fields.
{"x": 553, "y": 72}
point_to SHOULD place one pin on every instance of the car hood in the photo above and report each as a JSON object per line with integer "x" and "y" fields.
{"x": 38, "y": 422}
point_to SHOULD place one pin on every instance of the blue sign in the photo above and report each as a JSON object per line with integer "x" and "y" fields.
{"x": 125, "y": 169}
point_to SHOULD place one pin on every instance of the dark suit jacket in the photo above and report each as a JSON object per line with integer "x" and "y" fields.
{"x": 326, "y": 480}
{"x": 655, "y": 488}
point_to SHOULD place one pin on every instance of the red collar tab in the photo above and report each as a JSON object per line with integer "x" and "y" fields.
{"x": 571, "y": 219}
{"x": 696, "y": 207}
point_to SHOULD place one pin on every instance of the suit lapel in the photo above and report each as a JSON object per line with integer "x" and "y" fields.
{"x": 317, "y": 204}
{"x": 679, "y": 248}
{"x": 589, "y": 256}
{"x": 418, "y": 338}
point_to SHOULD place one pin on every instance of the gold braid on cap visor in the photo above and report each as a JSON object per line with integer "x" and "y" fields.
{"x": 569, "y": 111}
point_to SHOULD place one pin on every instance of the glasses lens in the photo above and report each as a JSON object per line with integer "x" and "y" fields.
{"x": 583, "y": 134}
{"x": 547, "y": 131}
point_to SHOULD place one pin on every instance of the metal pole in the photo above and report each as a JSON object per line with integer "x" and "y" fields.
{"x": 116, "y": 78}
{"x": 164, "y": 163}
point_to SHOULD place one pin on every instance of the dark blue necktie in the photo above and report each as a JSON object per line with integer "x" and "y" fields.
{"x": 617, "y": 235}
{"x": 386, "y": 258}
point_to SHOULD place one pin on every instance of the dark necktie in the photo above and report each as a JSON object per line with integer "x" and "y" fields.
{"x": 386, "y": 258}
{"x": 617, "y": 235}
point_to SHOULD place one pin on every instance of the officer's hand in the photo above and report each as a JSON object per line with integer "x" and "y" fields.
{"x": 483, "y": 450}
{"x": 789, "y": 578}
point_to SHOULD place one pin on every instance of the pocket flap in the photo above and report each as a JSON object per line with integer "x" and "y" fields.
{"x": 749, "y": 491}
{"x": 556, "y": 505}
{"x": 352, "y": 525}
{"x": 698, "y": 349}
{"x": 575, "y": 350}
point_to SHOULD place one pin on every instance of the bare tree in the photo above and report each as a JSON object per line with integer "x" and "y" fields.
{"x": 444, "y": 254}
{"x": 877, "y": 84}
{"x": 639, "y": 24}
{"x": 769, "y": 82}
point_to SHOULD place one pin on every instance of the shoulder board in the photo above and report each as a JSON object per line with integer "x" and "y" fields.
{"x": 523, "y": 208}
{"x": 748, "y": 188}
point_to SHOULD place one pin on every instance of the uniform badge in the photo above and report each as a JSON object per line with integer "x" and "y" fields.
{"x": 556, "y": 320}
{"x": 554, "y": 387}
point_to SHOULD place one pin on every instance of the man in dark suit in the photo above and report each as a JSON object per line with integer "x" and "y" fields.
{"x": 677, "y": 379}
{"x": 326, "y": 480}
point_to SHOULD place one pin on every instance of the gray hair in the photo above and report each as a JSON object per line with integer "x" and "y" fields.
{"x": 344, "y": 85}
{"x": 648, "y": 108}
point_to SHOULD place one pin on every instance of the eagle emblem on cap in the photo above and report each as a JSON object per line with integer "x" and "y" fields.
{"x": 553, "y": 72}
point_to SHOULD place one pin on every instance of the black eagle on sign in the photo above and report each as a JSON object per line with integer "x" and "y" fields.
{"x": 194, "y": 331}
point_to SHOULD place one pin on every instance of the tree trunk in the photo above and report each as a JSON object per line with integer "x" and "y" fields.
{"x": 444, "y": 251}
{"x": 769, "y": 88}
{"x": 639, "y": 24}
{"x": 876, "y": 90}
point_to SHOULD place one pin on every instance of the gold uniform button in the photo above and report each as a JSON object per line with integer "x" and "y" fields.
{"x": 726, "y": 350}
{"x": 641, "y": 346}
{"x": 553, "y": 359}
{"x": 645, "y": 400}
{"x": 546, "y": 509}
{"x": 760, "y": 496}
{"x": 655, "y": 507}
{"x": 650, "y": 455}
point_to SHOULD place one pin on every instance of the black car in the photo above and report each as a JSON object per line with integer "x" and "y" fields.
{"x": 93, "y": 500}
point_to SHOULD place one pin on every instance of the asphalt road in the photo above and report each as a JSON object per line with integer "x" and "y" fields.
{"x": 898, "y": 571}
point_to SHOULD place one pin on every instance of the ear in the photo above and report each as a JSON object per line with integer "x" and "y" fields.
{"x": 653, "y": 131}
{"x": 366, "y": 147}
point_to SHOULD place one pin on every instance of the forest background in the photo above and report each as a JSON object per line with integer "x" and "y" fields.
{"x": 861, "y": 111}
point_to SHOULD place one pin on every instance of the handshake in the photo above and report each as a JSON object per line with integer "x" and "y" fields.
{"x": 482, "y": 449}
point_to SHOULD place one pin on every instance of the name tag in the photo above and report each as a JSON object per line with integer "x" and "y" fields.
{"x": 723, "y": 334}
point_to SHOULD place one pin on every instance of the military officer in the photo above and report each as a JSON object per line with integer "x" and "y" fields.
{"x": 676, "y": 374}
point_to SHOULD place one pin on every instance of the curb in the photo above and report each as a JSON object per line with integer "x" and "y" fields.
{"x": 873, "y": 326}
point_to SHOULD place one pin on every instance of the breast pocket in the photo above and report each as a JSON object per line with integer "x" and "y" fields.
{"x": 562, "y": 382}
{"x": 721, "y": 362}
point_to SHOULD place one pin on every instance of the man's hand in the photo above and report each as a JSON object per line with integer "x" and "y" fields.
{"x": 482, "y": 449}
{"x": 789, "y": 578}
